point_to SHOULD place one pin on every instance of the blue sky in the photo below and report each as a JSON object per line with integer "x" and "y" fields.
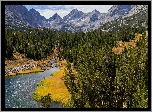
{"x": 49, "y": 10}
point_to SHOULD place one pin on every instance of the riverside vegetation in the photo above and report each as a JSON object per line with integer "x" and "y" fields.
{"x": 101, "y": 70}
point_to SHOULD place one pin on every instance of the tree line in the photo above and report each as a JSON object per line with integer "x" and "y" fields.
{"x": 107, "y": 80}
{"x": 103, "y": 79}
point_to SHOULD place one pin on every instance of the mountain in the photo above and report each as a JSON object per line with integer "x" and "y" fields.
{"x": 116, "y": 11}
{"x": 90, "y": 17}
{"x": 55, "y": 17}
{"x": 73, "y": 15}
{"x": 14, "y": 17}
{"x": 94, "y": 16}
{"x": 18, "y": 10}
{"x": 83, "y": 21}
{"x": 35, "y": 19}
{"x": 18, "y": 16}
{"x": 119, "y": 10}
{"x": 137, "y": 9}
{"x": 88, "y": 21}
{"x": 136, "y": 17}
{"x": 56, "y": 22}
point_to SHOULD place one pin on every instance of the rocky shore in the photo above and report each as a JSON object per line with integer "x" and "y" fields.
{"x": 20, "y": 68}
{"x": 21, "y": 64}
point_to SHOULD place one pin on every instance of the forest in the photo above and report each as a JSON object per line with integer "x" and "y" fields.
{"x": 103, "y": 79}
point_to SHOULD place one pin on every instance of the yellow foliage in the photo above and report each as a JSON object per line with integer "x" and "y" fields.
{"x": 55, "y": 86}
{"x": 80, "y": 90}
{"x": 25, "y": 72}
{"x": 11, "y": 74}
{"x": 118, "y": 49}
{"x": 139, "y": 35}
{"x": 31, "y": 71}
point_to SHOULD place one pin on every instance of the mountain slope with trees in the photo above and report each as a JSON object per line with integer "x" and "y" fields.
{"x": 103, "y": 78}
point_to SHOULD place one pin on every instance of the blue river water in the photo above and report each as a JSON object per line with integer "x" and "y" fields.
{"x": 19, "y": 90}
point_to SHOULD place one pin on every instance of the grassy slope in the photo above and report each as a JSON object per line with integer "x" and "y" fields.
{"x": 118, "y": 49}
{"x": 55, "y": 86}
{"x": 25, "y": 72}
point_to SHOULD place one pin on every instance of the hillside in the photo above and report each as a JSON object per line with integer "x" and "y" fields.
{"x": 62, "y": 92}
{"x": 103, "y": 57}
{"x": 18, "y": 17}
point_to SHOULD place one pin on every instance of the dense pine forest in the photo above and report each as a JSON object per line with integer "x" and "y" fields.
{"x": 103, "y": 79}
{"x": 82, "y": 60}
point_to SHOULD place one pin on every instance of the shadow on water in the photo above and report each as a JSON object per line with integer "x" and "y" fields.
{"x": 19, "y": 90}
{"x": 56, "y": 105}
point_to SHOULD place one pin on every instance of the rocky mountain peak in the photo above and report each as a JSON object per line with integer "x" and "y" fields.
{"x": 74, "y": 14}
{"x": 74, "y": 11}
{"x": 32, "y": 9}
{"x": 119, "y": 10}
{"x": 55, "y": 17}
{"x": 34, "y": 12}
{"x": 19, "y": 15}
{"x": 95, "y": 11}
{"x": 136, "y": 9}
{"x": 18, "y": 10}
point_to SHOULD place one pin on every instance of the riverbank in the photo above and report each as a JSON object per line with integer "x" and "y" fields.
{"x": 25, "y": 72}
{"x": 54, "y": 85}
{"x": 19, "y": 89}
{"x": 23, "y": 65}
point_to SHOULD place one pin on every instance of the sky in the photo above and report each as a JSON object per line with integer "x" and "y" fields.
{"x": 49, "y": 10}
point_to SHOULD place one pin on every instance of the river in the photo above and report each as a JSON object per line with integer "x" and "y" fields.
{"x": 19, "y": 90}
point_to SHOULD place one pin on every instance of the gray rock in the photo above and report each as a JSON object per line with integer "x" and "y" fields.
{"x": 18, "y": 16}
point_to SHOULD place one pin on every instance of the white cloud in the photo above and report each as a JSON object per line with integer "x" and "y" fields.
{"x": 47, "y": 13}
{"x": 90, "y": 8}
{"x": 63, "y": 10}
